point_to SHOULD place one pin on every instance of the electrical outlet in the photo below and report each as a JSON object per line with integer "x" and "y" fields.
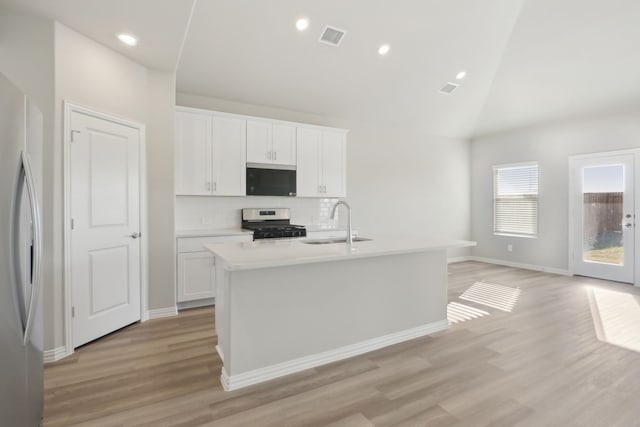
{"x": 510, "y": 247}
{"x": 205, "y": 220}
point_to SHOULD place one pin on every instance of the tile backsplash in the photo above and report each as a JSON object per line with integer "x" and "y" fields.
{"x": 224, "y": 212}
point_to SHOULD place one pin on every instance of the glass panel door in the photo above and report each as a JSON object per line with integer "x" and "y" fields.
{"x": 603, "y": 196}
{"x": 604, "y": 217}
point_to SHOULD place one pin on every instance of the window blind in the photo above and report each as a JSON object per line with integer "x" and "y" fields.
{"x": 515, "y": 201}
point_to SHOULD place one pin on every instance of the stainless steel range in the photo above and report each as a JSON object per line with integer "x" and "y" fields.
{"x": 271, "y": 223}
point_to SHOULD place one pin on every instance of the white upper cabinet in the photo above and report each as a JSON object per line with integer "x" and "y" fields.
{"x": 321, "y": 170}
{"x": 333, "y": 158}
{"x": 193, "y": 153}
{"x": 269, "y": 142}
{"x": 284, "y": 144}
{"x": 259, "y": 141}
{"x": 210, "y": 153}
{"x": 308, "y": 170}
{"x": 212, "y": 150}
{"x": 229, "y": 156}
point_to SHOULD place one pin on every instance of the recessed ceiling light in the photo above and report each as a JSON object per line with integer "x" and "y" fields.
{"x": 384, "y": 49}
{"x": 302, "y": 24}
{"x": 461, "y": 75}
{"x": 128, "y": 39}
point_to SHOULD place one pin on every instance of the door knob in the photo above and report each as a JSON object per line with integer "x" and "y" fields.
{"x": 135, "y": 235}
{"x": 628, "y": 224}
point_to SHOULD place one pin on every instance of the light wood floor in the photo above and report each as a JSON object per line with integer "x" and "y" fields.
{"x": 539, "y": 365}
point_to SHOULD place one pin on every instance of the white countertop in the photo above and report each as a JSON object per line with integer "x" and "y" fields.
{"x": 212, "y": 232}
{"x": 320, "y": 227}
{"x": 276, "y": 253}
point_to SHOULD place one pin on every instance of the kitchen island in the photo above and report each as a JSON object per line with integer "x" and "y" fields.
{"x": 288, "y": 305}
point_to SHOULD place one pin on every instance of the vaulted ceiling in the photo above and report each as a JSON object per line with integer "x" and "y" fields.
{"x": 566, "y": 58}
{"x": 250, "y": 51}
{"x": 527, "y": 61}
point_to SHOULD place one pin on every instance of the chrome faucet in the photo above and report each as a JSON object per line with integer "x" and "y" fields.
{"x": 333, "y": 215}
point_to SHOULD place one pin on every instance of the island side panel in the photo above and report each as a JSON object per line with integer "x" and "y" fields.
{"x": 221, "y": 307}
{"x": 284, "y": 313}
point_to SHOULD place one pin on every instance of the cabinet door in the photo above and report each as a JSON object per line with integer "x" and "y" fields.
{"x": 259, "y": 147}
{"x": 196, "y": 276}
{"x": 333, "y": 172}
{"x": 308, "y": 158}
{"x": 284, "y": 145}
{"x": 229, "y": 156}
{"x": 193, "y": 154}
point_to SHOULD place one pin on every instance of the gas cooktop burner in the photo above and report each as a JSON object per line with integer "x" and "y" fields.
{"x": 271, "y": 224}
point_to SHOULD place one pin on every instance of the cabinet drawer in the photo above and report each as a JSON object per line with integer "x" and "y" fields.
{"x": 196, "y": 244}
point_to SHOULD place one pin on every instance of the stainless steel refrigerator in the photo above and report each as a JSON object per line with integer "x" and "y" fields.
{"x": 21, "y": 353}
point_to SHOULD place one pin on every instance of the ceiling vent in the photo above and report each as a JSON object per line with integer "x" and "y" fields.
{"x": 332, "y": 36}
{"x": 449, "y": 88}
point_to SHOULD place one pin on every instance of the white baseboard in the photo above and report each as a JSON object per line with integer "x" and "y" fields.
{"x": 162, "y": 312}
{"x": 234, "y": 382}
{"x": 220, "y": 353}
{"x": 520, "y": 265}
{"x": 55, "y": 354}
{"x": 455, "y": 259}
{"x": 196, "y": 303}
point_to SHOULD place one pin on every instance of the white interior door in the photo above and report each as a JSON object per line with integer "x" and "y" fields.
{"x": 604, "y": 217}
{"x": 105, "y": 231}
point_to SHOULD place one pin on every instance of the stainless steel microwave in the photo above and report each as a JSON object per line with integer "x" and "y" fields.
{"x": 263, "y": 180}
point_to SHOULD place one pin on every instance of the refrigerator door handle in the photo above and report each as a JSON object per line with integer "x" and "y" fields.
{"x": 37, "y": 243}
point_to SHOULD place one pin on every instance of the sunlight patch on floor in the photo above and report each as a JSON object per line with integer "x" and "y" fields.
{"x": 495, "y": 296}
{"x": 616, "y": 317}
{"x": 457, "y": 313}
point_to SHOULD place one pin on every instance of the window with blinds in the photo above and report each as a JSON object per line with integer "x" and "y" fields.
{"x": 515, "y": 199}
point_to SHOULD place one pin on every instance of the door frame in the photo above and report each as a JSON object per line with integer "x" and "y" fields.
{"x": 70, "y": 107}
{"x": 636, "y": 182}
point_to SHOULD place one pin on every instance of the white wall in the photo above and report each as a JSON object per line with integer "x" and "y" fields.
{"x": 399, "y": 182}
{"x": 92, "y": 75}
{"x": 26, "y": 57}
{"x": 161, "y": 95}
{"x": 405, "y": 183}
{"x": 550, "y": 145}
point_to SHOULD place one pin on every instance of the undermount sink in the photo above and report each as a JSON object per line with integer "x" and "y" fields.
{"x": 329, "y": 241}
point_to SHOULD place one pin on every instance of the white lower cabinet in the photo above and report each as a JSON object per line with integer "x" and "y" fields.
{"x": 196, "y": 276}
{"x": 196, "y": 266}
